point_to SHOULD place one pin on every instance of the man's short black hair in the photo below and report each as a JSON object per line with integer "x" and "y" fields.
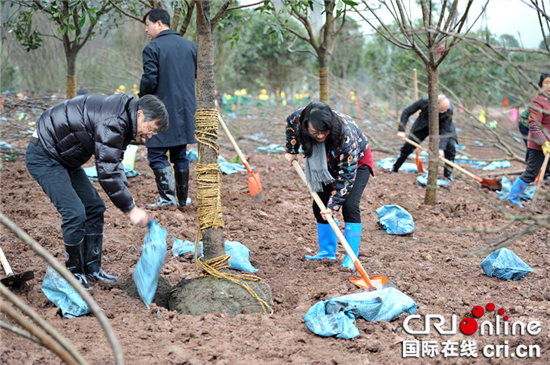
{"x": 158, "y": 14}
{"x": 153, "y": 108}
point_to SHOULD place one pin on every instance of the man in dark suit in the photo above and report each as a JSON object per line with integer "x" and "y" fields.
{"x": 169, "y": 72}
{"x": 421, "y": 129}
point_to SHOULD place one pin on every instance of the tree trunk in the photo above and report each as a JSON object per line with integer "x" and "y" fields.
{"x": 433, "y": 167}
{"x": 323, "y": 77}
{"x": 71, "y": 74}
{"x": 212, "y": 237}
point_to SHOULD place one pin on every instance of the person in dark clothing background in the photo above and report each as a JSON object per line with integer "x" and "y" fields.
{"x": 169, "y": 72}
{"x": 421, "y": 129}
{"x": 66, "y": 137}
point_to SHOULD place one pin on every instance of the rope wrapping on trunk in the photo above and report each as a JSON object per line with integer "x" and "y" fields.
{"x": 210, "y": 208}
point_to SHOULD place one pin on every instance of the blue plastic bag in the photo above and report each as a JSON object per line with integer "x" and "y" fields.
{"x": 63, "y": 295}
{"x": 147, "y": 272}
{"x": 395, "y": 219}
{"x": 323, "y": 323}
{"x": 239, "y": 256}
{"x": 503, "y": 194}
{"x": 336, "y": 316}
{"x": 497, "y": 165}
{"x": 423, "y": 181}
{"x": 388, "y": 162}
{"x": 239, "y": 253}
{"x": 504, "y": 264}
{"x": 230, "y": 167}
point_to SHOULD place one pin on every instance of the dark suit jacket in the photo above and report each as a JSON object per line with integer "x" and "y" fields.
{"x": 169, "y": 72}
{"x": 446, "y": 125}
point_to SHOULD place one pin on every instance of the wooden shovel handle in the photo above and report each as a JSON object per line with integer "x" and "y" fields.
{"x": 460, "y": 168}
{"x": 5, "y": 264}
{"x": 542, "y": 172}
{"x": 334, "y": 227}
{"x": 235, "y": 146}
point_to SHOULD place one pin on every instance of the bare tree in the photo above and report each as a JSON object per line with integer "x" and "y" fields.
{"x": 431, "y": 42}
{"x": 76, "y": 23}
{"x": 320, "y": 34}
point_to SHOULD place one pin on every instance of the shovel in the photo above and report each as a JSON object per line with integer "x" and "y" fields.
{"x": 254, "y": 183}
{"x": 486, "y": 183}
{"x": 11, "y": 279}
{"x": 418, "y": 162}
{"x": 376, "y": 282}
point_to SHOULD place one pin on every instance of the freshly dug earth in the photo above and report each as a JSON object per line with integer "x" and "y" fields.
{"x": 427, "y": 265}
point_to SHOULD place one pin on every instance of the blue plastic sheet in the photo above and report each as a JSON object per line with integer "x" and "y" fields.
{"x": 5, "y": 147}
{"x": 395, "y": 219}
{"x": 63, "y": 295}
{"x": 387, "y": 164}
{"x": 147, "y": 272}
{"x": 229, "y": 167}
{"x": 423, "y": 181}
{"x": 497, "y": 165}
{"x": 192, "y": 155}
{"x": 504, "y": 264}
{"x": 272, "y": 148}
{"x": 336, "y": 316}
{"x": 240, "y": 254}
{"x": 91, "y": 172}
{"x": 503, "y": 194}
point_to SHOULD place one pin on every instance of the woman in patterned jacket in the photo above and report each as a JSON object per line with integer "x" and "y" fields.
{"x": 338, "y": 167}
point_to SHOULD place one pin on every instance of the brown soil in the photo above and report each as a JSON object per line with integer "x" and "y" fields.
{"x": 426, "y": 265}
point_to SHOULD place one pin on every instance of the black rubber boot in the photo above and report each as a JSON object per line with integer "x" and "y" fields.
{"x": 91, "y": 251}
{"x": 448, "y": 174}
{"x": 400, "y": 160}
{"x": 165, "y": 186}
{"x": 182, "y": 187}
{"x": 73, "y": 263}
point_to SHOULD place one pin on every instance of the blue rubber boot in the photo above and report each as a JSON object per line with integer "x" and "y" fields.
{"x": 517, "y": 190}
{"x": 353, "y": 236}
{"x": 327, "y": 242}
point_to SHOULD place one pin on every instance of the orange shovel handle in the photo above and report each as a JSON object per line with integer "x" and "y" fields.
{"x": 341, "y": 237}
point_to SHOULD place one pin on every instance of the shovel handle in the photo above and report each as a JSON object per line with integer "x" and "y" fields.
{"x": 5, "y": 264}
{"x": 234, "y": 144}
{"x": 459, "y": 168}
{"x": 542, "y": 171}
{"x": 334, "y": 227}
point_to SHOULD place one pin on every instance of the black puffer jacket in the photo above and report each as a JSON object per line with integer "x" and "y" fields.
{"x": 73, "y": 131}
{"x": 446, "y": 126}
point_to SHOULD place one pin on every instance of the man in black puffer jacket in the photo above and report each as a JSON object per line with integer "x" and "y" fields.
{"x": 66, "y": 136}
{"x": 421, "y": 129}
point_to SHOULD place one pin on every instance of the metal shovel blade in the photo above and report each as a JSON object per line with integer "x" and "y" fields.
{"x": 18, "y": 279}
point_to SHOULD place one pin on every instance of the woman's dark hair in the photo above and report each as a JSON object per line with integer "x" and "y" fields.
{"x": 543, "y": 76}
{"x": 158, "y": 14}
{"x": 322, "y": 119}
{"x": 153, "y": 108}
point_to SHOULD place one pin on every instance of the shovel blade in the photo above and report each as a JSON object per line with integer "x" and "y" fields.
{"x": 378, "y": 282}
{"x": 255, "y": 186}
{"x": 491, "y": 184}
{"x": 18, "y": 279}
{"x": 418, "y": 162}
